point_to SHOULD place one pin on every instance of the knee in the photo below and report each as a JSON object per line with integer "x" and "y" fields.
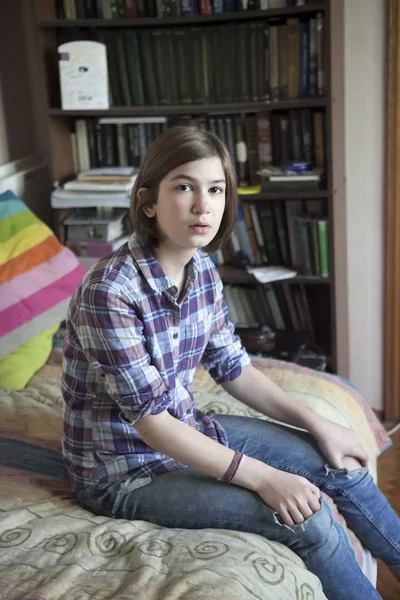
{"x": 316, "y": 529}
{"x": 350, "y": 463}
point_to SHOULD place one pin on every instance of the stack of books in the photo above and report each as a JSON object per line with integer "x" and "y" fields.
{"x": 98, "y": 200}
{"x": 93, "y": 234}
{"x": 102, "y": 187}
{"x": 277, "y": 179}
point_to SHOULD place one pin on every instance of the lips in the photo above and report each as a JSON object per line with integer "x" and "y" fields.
{"x": 200, "y": 228}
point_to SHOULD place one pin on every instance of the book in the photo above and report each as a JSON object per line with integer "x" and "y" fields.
{"x": 95, "y": 249}
{"x": 268, "y": 274}
{"x": 84, "y": 229}
{"x": 83, "y": 75}
{"x": 71, "y": 199}
{"x": 277, "y": 175}
{"x": 323, "y": 247}
{"x": 108, "y": 172}
{"x": 95, "y": 186}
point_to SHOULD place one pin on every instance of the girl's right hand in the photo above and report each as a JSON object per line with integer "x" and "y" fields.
{"x": 294, "y": 497}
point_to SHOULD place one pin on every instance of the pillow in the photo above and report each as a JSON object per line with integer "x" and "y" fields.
{"x": 37, "y": 279}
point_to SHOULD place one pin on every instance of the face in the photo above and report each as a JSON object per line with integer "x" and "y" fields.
{"x": 190, "y": 205}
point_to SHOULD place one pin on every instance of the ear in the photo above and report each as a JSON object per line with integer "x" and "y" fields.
{"x": 149, "y": 211}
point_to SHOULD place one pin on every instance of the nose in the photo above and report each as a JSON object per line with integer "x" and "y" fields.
{"x": 201, "y": 203}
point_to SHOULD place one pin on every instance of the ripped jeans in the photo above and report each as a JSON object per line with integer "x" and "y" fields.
{"x": 191, "y": 500}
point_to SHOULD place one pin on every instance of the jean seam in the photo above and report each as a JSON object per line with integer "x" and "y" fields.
{"x": 323, "y": 485}
{"x": 365, "y": 512}
{"x": 206, "y": 523}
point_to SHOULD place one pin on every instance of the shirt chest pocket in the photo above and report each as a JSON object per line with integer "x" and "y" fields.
{"x": 196, "y": 336}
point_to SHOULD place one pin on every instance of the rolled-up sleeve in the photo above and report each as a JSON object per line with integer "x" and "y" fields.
{"x": 224, "y": 356}
{"x": 111, "y": 337}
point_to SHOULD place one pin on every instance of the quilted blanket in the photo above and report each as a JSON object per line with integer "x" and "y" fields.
{"x": 52, "y": 549}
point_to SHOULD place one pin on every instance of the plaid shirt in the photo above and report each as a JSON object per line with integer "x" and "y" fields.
{"x": 131, "y": 350}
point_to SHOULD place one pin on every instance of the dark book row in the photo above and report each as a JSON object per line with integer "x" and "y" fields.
{"x": 239, "y": 62}
{"x": 280, "y": 306}
{"x": 254, "y": 140}
{"x": 120, "y": 9}
{"x": 293, "y": 233}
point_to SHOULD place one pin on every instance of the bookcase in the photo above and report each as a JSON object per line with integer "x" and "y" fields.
{"x": 258, "y": 77}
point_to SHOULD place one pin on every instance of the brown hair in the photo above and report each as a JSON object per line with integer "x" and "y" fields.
{"x": 173, "y": 148}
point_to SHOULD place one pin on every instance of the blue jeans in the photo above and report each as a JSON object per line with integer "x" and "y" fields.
{"x": 191, "y": 500}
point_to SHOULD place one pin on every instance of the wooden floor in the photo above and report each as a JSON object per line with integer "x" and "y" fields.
{"x": 389, "y": 483}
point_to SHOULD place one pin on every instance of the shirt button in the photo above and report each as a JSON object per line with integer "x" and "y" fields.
{"x": 175, "y": 336}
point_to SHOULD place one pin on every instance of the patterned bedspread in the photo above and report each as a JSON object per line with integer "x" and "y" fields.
{"x": 52, "y": 549}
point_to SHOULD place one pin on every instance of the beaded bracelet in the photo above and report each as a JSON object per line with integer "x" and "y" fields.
{"x": 233, "y": 467}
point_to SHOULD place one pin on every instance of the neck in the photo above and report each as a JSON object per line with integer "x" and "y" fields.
{"x": 174, "y": 263}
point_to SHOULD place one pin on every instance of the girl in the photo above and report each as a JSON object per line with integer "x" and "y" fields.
{"x": 135, "y": 445}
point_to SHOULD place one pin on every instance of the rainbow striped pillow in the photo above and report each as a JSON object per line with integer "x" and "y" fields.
{"x": 37, "y": 275}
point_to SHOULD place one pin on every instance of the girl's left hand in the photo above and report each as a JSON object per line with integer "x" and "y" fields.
{"x": 337, "y": 442}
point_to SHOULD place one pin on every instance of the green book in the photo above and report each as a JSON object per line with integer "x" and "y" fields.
{"x": 315, "y": 246}
{"x": 323, "y": 247}
{"x": 303, "y": 225}
{"x": 133, "y": 67}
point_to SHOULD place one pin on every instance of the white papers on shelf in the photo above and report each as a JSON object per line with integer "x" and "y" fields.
{"x": 83, "y": 75}
{"x": 109, "y": 171}
{"x": 88, "y": 186}
{"x": 70, "y": 199}
{"x": 268, "y": 274}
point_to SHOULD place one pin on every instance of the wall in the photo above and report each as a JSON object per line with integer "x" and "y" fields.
{"x": 24, "y": 154}
{"x": 359, "y": 118}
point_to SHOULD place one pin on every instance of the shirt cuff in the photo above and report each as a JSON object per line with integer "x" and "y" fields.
{"x": 155, "y": 407}
{"x": 234, "y": 369}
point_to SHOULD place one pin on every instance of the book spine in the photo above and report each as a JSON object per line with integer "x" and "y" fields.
{"x": 323, "y": 247}
{"x": 315, "y": 251}
{"x": 319, "y": 152}
{"x": 259, "y": 233}
{"x": 188, "y": 7}
{"x": 282, "y": 59}
{"x": 218, "y": 6}
{"x": 320, "y": 55}
{"x": 264, "y": 140}
{"x": 304, "y": 236}
{"x": 312, "y": 58}
{"x": 293, "y": 50}
{"x": 205, "y": 7}
{"x": 274, "y": 62}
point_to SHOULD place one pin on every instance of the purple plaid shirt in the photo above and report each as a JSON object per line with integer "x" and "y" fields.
{"x": 131, "y": 349}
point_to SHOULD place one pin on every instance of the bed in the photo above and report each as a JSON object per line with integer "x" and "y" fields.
{"x": 52, "y": 549}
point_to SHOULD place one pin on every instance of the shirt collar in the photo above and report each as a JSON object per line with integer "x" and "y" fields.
{"x": 153, "y": 271}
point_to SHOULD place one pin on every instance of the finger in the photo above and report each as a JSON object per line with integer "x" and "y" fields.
{"x": 285, "y": 516}
{"x": 296, "y": 514}
{"x": 314, "y": 489}
{"x": 306, "y": 510}
{"x": 314, "y": 504}
{"x": 362, "y": 457}
{"x": 336, "y": 462}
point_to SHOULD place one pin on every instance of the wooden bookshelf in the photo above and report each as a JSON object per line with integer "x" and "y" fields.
{"x": 320, "y": 291}
{"x": 193, "y": 109}
{"x": 237, "y": 276}
{"x": 289, "y": 195}
{"x": 49, "y": 21}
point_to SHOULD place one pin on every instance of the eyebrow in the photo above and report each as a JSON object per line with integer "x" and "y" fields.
{"x": 183, "y": 176}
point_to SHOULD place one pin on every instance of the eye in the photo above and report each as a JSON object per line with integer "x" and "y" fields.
{"x": 184, "y": 187}
{"x": 216, "y": 190}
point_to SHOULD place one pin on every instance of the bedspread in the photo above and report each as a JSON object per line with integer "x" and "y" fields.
{"x": 52, "y": 549}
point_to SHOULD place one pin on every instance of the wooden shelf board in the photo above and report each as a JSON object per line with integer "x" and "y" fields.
{"x": 193, "y": 109}
{"x": 235, "y": 275}
{"x": 296, "y": 195}
{"x": 186, "y": 20}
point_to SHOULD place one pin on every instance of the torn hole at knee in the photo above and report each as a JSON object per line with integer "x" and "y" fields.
{"x": 348, "y": 472}
{"x": 278, "y": 521}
